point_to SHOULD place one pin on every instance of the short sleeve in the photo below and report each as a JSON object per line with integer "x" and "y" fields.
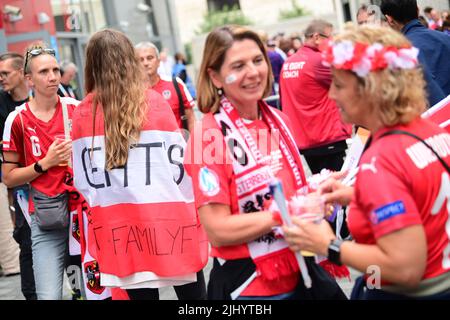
{"x": 206, "y": 162}
{"x": 383, "y": 195}
{"x": 13, "y": 135}
{"x": 187, "y": 98}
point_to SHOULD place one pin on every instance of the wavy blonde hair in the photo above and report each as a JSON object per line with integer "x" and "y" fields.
{"x": 217, "y": 44}
{"x": 113, "y": 74}
{"x": 399, "y": 95}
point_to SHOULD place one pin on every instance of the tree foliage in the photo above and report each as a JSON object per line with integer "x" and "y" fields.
{"x": 296, "y": 11}
{"x": 225, "y": 16}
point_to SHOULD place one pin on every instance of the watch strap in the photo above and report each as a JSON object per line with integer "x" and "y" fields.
{"x": 334, "y": 251}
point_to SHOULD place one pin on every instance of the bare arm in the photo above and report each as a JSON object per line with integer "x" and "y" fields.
{"x": 14, "y": 176}
{"x": 225, "y": 229}
{"x": 400, "y": 255}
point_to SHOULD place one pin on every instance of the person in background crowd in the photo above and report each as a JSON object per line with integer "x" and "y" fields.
{"x": 423, "y": 21}
{"x": 362, "y": 15}
{"x": 446, "y": 27}
{"x": 149, "y": 57}
{"x": 68, "y": 73}
{"x": 180, "y": 71}
{"x": 32, "y": 155}
{"x": 166, "y": 65}
{"x": 250, "y": 262}
{"x": 16, "y": 93}
{"x": 304, "y": 83}
{"x": 135, "y": 144}
{"x": 400, "y": 225}
{"x": 434, "y": 47}
{"x": 276, "y": 61}
{"x": 297, "y": 43}
{"x": 427, "y": 15}
{"x": 286, "y": 46}
{"x": 277, "y": 39}
{"x": 436, "y": 21}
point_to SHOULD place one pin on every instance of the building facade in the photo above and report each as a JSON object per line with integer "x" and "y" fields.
{"x": 63, "y": 24}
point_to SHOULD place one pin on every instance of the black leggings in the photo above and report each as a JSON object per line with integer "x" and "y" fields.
{"x": 191, "y": 291}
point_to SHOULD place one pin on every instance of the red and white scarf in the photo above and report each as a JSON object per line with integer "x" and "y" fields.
{"x": 271, "y": 255}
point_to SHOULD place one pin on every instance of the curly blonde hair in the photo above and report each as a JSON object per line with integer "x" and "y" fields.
{"x": 400, "y": 94}
{"x": 113, "y": 74}
{"x": 217, "y": 44}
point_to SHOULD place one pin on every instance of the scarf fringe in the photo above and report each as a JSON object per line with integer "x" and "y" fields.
{"x": 338, "y": 272}
{"x": 276, "y": 265}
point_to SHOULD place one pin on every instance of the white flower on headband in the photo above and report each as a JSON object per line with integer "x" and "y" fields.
{"x": 362, "y": 58}
{"x": 343, "y": 52}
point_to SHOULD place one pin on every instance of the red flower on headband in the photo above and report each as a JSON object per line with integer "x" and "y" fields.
{"x": 362, "y": 58}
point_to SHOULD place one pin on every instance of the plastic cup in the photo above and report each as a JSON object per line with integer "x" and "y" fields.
{"x": 310, "y": 207}
{"x": 61, "y": 138}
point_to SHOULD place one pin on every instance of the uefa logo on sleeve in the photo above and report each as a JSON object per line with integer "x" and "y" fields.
{"x": 167, "y": 94}
{"x": 209, "y": 182}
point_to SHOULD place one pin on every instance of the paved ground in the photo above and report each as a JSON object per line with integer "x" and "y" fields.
{"x": 10, "y": 287}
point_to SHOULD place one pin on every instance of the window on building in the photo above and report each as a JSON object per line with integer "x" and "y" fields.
{"x": 85, "y": 16}
{"x": 218, "y": 5}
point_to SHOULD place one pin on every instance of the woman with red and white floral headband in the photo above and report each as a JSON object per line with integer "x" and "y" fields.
{"x": 399, "y": 207}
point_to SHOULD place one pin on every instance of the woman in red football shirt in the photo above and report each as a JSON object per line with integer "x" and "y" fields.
{"x": 232, "y": 157}
{"x": 399, "y": 207}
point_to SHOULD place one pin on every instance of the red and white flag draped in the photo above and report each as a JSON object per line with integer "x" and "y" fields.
{"x": 440, "y": 113}
{"x": 142, "y": 222}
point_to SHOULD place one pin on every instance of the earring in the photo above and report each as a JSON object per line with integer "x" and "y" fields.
{"x": 219, "y": 91}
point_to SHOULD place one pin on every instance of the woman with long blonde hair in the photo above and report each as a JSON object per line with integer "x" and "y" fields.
{"x": 128, "y": 156}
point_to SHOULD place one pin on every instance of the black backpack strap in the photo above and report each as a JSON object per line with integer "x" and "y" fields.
{"x": 392, "y": 132}
{"x": 183, "y": 116}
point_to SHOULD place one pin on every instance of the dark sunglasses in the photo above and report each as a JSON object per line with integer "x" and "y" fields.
{"x": 36, "y": 52}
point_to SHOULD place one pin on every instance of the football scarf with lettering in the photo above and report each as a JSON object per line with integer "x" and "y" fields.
{"x": 270, "y": 254}
{"x": 142, "y": 223}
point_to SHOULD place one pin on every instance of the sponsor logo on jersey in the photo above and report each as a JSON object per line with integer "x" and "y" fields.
{"x": 167, "y": 94}
{"x": 209, "y": 182}
{"x": 370, "y": 166}
{"x": 387, "y": 212}
{"x": 32, "y": 129}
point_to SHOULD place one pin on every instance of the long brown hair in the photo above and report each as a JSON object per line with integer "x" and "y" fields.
{"x": 113, "y": 74}
{"x": 217, "y": 44}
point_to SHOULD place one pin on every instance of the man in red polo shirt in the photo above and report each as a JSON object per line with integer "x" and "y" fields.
{"x": 304, "y": 84}
{"x": 148, "y": 54}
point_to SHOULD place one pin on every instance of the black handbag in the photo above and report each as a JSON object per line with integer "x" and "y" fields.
{"x": 51, "y": 213}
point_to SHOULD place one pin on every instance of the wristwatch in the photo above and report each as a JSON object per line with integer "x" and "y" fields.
{"x": 38, "y": 168}
{"x": 334, "y": 251}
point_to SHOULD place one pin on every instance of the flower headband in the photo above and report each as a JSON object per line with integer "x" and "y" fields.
{"x": 363, "y": 58}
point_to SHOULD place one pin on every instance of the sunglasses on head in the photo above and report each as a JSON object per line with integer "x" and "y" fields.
{"x": 36, "y": 52}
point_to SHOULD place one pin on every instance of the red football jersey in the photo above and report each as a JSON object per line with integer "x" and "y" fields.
{"x": 304, "y": 86}
{"x": 400, "y": 184}
{"x": 165, "y": 88}
{"x": 36, "y": 136}
{"x": 213, "y": 155}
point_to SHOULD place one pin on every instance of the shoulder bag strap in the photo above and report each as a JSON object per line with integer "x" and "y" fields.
{"x": 67, "y": 126}
{"x": 392, "y": 132}
{"x": 183, "y": 116}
